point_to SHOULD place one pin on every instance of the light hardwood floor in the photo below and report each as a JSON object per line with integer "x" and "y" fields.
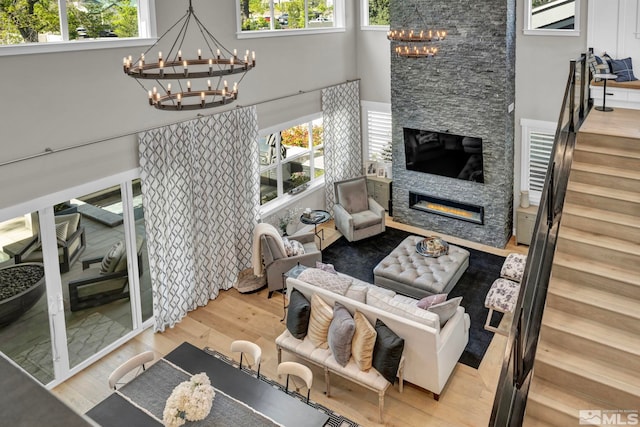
{"x": 466, "y": 400}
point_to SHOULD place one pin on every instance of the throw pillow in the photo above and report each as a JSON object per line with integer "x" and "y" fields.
{"x": 606, "y": 61}
{"x": 427, "y": 302}
{"x": 387, "y": 351}
{"x": 357, "y": 292}
{"x": 61, "y": 230}
{"x": 602, "y": 65}
{"x": 298, "y": 314}
{"x": 329, "y": 268}
{"x": 110, "y": 260}
{"x": 292, "y": 247}
{"x": 446, "y": 310}
{"x": 364, "y": 340}
{"x": 328, "y": 281}
{"x": 623, "y": 68}
{"x": 341, "y": 332}
{"x": 321, "y": 315}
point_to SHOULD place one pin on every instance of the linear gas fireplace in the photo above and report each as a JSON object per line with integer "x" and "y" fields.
{"x": 448, "y": 208}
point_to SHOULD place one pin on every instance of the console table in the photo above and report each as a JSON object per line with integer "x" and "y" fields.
{"x": 380, "y": 189}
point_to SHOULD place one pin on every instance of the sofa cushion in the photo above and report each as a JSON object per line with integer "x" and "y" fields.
{"x": 623, "y": 68}
{"x": 321, "y": 315}
{"x": 387, "y": 351}
{"x": 328, "y": 281}
{"x": 399, "y": 305}
{"x": 430, "y": 300}
{"x": 298, "y": 314}
{"x": 329, "y": 268}
{"x": 61, "y": 230}
{"x": 293, "y": 247}
{"x": 445, "y": 310}
{"x": 352, "y": 195}
{"x": 357, "y": 292}
{"x": 365, "y": 219}
{"x": 364, "y": 339}
{"x": 112, "y": 257}
{"x": 341, "y": 332}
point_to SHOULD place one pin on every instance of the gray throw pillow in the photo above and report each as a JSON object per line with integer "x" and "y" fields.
{"x": 298, "y": 314}
{"x": 341, "y": 333}
{"x": 387, "y": 351}
{"x": 446, "y": 310}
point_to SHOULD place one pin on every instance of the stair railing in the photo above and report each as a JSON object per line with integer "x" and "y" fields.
{"x": 513, "y": 386}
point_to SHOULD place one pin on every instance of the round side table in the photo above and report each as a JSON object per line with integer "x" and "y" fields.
{"x": 316, "y": 217}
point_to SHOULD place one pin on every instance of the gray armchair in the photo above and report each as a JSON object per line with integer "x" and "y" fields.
{"x": 276, "y": 262}
{"x": 356, "y": 215}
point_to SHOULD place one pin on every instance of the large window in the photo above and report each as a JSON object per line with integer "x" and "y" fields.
{"x": 45, "y": 21}
{"x": 552, "y": 17}
{"x": 376, "y": 131}
{"x": 375, "y": 13}
{"x": 537, "y": 143}
{"x": 290, "y": 159}
{"x": 258, "y": 17}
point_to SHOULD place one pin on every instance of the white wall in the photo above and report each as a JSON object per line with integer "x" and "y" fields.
{"x": 614, "y": 28}
{"x": 59, "y": 100}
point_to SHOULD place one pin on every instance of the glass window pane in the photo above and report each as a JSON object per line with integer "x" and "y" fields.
{"x": 268, "y": 186}
{"x": 378, "y": 12}
{"x": 20, "y": 23}
{"x": 320, "y": 14}
{"x": 269, "y": 149}
{"x": 97, "y": 19}
{"x": 552, "y": 15}
{"x": 318, "y": 132}
{"x": 95, "y": 283}
{"x": 318, "y": 163}
{"x": 24, "y": 319}
{"x": 295, "y": 173}
{"x": 295, "y": 140}
{"x": 254, "y": 15}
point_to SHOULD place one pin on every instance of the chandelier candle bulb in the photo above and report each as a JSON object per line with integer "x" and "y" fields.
{"x": 189, "y": 86}
{"x": 210, "y": 66}
{"x": 235, "y": 53}
{"x": 218, "y": 54}
{"x": 161, "y": 67}
{"x": 202, "y": 99}
{"x": 199, "y": 53}
{"x": 159, "y": 56}
{"x": 179, "y": 55}
{"x": 150, "y": 98}
{"x": 209, "y": 84}
{"x": 169, "y": 89}
{"x": 253, "y": 58}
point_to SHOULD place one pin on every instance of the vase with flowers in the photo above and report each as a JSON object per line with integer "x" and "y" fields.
{"x": 288, "y": 222}
{"x": 189, "y": 401}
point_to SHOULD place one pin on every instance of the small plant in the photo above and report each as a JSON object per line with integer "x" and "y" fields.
{"x": 288, "y": 217}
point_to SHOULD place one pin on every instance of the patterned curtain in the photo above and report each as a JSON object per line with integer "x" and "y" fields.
{"x": 342, "y": 138}
{"x": 201, "y": 193}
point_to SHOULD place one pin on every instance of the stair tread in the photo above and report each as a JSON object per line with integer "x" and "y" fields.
{"x": 595, "y": 297}
{"x": 561, "y": 399}
{"x": 587, "y": 329}
{"x": 599, "y": 240}
{"x": 595, "y": 267}
{"x": 612, "y": 193}
{"x": 530, "y": 421}
{"x": 611, "y": 151}
{"x": 605, "y": 170}
{"x": 610, "y": 375}
{"x": 602, "y": 215}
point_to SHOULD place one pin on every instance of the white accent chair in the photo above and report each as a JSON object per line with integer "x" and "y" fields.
{"x": 135, "y": 363}
{"x": 357, "y": 216}
{"x": 249, "y": 348}
{"x": 297, "y": 370}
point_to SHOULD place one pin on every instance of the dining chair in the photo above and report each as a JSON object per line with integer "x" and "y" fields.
{"x": 297, "y": 370}
{"x": 136, "y": 362}
{"x": 247, "y": 347}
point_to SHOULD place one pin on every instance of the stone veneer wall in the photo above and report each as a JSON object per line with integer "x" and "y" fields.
{"x": 465, "y": 90}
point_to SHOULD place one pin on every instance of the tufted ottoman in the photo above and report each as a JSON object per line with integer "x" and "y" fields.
{"x": 409, "y": 273}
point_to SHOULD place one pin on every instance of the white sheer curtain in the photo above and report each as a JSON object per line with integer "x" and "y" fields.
{"x": 201, "y": 193}
{"x": 342, "y": 137}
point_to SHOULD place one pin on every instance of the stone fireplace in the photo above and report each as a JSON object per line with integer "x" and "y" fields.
{"x": 467, "y": 89}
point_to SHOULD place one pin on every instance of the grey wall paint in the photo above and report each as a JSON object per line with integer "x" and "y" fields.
{"x": 466, "y": 90}
{"x": 63, "y": 99}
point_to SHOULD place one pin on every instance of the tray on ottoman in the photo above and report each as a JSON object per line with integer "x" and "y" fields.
{"x": 407, "y": 272}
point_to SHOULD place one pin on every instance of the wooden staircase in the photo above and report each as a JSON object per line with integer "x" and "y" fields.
{"x": 588, "y": 355}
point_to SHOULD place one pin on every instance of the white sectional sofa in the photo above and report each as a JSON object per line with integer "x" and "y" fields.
{"x": 430, "y": 352}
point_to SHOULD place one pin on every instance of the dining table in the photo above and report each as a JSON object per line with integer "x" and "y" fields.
{"x": 118, "y": 409}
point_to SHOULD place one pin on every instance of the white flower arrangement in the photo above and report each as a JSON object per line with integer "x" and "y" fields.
{"x": 189, "y": 401}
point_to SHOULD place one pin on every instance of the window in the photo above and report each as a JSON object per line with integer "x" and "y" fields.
{"x": 552, "y": 17}
{"x": 375, "y": 13}
{"x": 537, "y": 143}
{"x": 290, "y": 158}
{"x": 277, "y": 16}
{"x": 29, "y": 22}
{"x": 376, "y": 131}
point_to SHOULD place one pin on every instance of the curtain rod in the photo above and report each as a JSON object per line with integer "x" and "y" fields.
{"x": 98, "y": 141}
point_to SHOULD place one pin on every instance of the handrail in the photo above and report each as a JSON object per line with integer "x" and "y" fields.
{"x": 515, "y": 377}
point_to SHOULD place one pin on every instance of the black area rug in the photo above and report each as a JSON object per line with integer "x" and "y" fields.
{"x": 359, "y": 258}
{"x": 335, "y": 419}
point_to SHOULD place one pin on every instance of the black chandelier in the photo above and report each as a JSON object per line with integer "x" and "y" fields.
{"x": 414, "y": 43}
{"x": 174, "y": 72}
